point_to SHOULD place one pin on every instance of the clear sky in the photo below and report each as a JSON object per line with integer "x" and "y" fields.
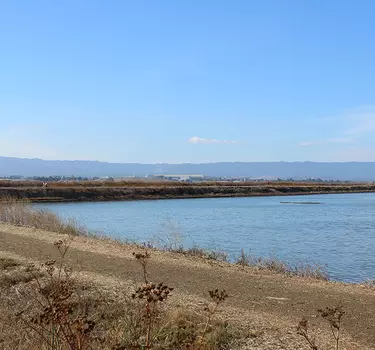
{"x": 188, "y": 80}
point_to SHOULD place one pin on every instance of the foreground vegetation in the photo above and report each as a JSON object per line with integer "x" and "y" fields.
{"x": 45, "y": 307}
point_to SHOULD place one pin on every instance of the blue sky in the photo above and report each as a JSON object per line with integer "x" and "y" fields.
{"x": 188, "y": 81}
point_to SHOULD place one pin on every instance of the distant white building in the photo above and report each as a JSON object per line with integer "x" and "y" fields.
{"x": 179, "y": 177}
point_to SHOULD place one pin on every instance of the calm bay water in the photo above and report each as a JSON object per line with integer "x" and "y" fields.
{"x": 339, "y": 232}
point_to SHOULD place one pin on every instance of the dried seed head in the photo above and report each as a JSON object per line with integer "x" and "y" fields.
{"x": 302, "y": 325}
{"x": 50, "y": 263}
{"x": 58, "y": 243}
{"x": 218, "y": 296}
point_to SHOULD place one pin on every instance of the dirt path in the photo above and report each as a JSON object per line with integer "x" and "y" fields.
{"x": 271, "y": 305}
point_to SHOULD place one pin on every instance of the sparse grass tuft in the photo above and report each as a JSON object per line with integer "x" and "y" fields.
{"x": 173, "y": 242}
{"x": 209, "y": 254}
{"x": 13, "y": 278}
{"x": 276, "y": 265}
{"x": 21, "y": 213}
{"x": 244, "y": 259}
{"x": 314, "y": 271}
{"x": 7, "y": 263}
{"x": 369, "y": 283}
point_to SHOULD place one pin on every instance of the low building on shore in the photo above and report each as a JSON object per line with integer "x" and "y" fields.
{"x": 179, "y": 177}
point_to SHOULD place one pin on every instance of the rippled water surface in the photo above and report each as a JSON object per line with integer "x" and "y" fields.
{"x": 339, "y": 232}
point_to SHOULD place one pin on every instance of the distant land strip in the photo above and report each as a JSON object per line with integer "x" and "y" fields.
{"x": 77, "y": 193}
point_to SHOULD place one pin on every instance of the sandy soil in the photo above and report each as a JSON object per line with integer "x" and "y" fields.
{"x": 268, "y": 305}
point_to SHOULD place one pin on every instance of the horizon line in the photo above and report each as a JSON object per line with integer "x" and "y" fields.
{"x": 161, "y": 163}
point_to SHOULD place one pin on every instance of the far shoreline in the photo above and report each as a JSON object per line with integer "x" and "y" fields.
{"x": 73, "y": 194}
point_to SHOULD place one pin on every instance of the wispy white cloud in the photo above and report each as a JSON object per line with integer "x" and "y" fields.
{"x": 354, "y": 154}
{"x": 361, "y": 121}
{"x": 326, "y": 142}
{"x": 28, "y": 141}
{"x": 352, "y": 127}
{"x": 197, "y": 140}
{"x": 23, "y": 140}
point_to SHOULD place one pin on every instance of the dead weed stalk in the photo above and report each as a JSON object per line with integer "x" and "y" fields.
{"x": 56, "y": 311}
{"x": 59, "y": 321}
{"x": 334, "y": 318}
{"x": 152, "y": 294}
{"x": 217, "y": 298}
{"x": 181, "y": 333}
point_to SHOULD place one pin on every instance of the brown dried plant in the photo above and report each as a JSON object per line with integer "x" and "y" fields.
{"x": 302, "y": 330}
{"x": 152, "y": 295}
{"x": 217, "y": 297}
{"x": 333, "y": 316}
{"x": 58, "y": 321}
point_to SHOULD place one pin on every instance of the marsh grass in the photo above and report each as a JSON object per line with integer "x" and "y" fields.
{"x": 279, "y": 266}
{"x": 210, "y": 254}
{"x": 198, "y": 252}
{"x": 22, "y": 213}
{"x": 172, "y": 241}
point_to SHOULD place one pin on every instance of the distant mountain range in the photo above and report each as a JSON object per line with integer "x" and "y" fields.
{"x": 356, "y": 171}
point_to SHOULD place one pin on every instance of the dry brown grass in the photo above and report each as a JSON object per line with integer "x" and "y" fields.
{"x": 7, "y": 263}
{"x": 21, "y": 213}
{"x": 13, "y": 272}
{"x": 197, "y": 252}
{"x": 210, "y": 254}
{"x": 277, "y": 265}
{"x": 172, "y": 241}
{"x": 49, "y": 308}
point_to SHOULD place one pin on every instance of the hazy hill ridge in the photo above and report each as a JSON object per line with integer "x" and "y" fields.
{"x": 359, "y": 171}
